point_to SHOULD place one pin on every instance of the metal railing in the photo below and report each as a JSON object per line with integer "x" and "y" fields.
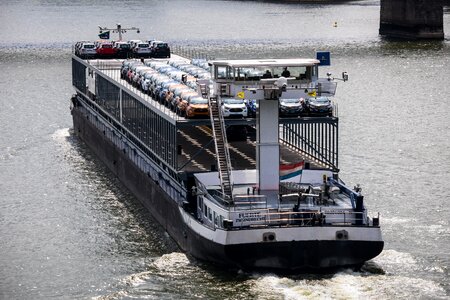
{"x": 268, "y": 218}
{"x": 316, "y": 139}
{"x": 249, "y": 202}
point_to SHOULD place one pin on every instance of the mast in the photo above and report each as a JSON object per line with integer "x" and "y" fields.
{"x": 118, "y": 30}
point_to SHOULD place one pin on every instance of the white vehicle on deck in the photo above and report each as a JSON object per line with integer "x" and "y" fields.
{"x": 142, "y": 49}
{"x": 86, "y": 49}
{"x": 232, "y": 107}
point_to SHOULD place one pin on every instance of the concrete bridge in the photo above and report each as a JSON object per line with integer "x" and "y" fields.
{"x": 412, "y": 19}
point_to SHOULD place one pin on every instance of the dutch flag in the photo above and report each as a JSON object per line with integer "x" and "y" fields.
{"x": 289, "y": 171}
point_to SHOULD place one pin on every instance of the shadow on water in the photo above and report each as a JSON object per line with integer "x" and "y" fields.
{"x": 132, "y": 227}
{"x": 393, "y": 42}
{"x": 392, "y": 46}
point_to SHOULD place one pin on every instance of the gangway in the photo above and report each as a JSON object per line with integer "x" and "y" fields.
{"x": 221, "y": 145}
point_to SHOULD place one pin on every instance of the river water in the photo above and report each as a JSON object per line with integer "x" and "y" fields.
{"x": 70, "y": 230}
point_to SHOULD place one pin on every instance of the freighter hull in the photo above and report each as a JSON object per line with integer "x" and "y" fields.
{"x": 279, "y": 255}
{"x": 304, "y": 255}
{"x": 231, "y": 208}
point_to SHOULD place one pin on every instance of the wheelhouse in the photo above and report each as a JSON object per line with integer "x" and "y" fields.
{"x": 254, "y": 70}
{"x": 243, "y": 76}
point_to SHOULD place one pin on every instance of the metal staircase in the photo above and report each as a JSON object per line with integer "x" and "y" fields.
{"x": 221, "y": 144}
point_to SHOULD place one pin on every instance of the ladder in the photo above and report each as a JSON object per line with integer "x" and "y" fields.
{"x": 221, "y": 144}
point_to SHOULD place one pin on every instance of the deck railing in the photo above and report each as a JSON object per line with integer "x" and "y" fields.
{"x": 267, "y": 218}
{"x": 249, "y": 202}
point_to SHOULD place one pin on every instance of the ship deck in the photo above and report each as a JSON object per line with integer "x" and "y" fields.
{"x": 247, "y": 197}
{"x": 187, "y": 144}
{"x": 194, "y": 136}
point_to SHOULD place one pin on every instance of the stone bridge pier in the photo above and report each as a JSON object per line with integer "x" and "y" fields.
{"x": 412, "y": 19}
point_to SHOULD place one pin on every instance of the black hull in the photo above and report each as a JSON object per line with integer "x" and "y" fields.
{"x": 278, "y": 256}
{"x": 292, "y": 256}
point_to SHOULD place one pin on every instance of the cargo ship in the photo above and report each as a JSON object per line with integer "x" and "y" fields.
{"x": 257, "y": 191}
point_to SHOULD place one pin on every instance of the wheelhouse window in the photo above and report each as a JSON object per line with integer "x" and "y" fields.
{"x": 250, "y": 73}
{"x": 223, "y": 72}
{"x": 299, "y": 73}
{"x": 305, "y": 73}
